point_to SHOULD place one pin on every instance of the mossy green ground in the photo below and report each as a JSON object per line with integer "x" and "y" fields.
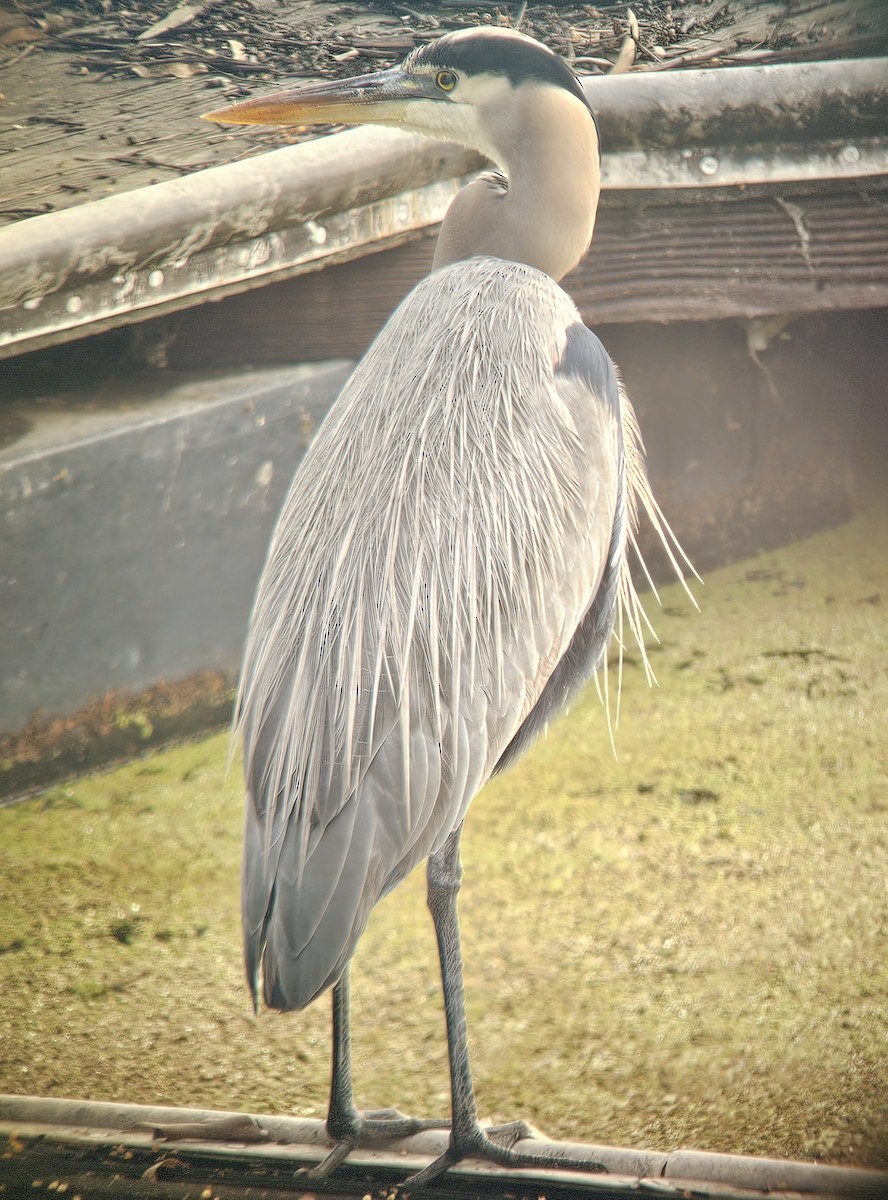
{"x": 682, "y": 945}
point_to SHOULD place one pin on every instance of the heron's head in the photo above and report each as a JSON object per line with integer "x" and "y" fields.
{"x": 464, "y": 87}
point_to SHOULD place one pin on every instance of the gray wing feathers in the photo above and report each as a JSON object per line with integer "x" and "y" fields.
{"x": 588, "y": 382}
{"x": 313, "y": 935}
{"x": 442, "y": 542}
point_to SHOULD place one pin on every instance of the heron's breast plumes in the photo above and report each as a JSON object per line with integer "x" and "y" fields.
{"x": 437, "y": 549}
{"x": 444, "y": 574}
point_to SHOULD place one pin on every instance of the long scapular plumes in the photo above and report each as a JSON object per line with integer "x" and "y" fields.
{"x": 631, "y": 613}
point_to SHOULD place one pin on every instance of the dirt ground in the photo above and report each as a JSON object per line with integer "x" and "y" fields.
{"x": 683, "y": 945}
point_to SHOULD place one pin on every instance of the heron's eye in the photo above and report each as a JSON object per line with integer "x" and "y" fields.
{"x": 446, "y": 80}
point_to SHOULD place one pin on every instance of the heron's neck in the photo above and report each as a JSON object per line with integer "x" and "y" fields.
{"x": 546, "y": 217}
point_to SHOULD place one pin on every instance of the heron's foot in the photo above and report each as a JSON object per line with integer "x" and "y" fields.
{"x": 367, "y": 1129}
{"x": 496, "y": 1144}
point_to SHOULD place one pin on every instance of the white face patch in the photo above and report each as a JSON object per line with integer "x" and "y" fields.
{"x": 446, "y": 119}
{"x": 468, "y": 114}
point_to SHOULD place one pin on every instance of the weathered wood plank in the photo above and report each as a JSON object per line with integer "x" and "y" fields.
{"x": 89, "y": 1144}
{"x": 730, "y": 254}
{"x": 164, "y": 248}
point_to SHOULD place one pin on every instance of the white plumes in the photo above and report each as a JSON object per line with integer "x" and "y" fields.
{"x": 454, "y": 541}
{"x": 630, "y": 610}
{"x": 437, "y": 544}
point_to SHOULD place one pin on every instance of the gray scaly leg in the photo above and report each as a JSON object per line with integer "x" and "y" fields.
{"x": 347, "y": 1126}
{"x": 467, "y": 1138}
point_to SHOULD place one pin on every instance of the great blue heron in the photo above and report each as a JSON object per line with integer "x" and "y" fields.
{"x": 450, "y": 559}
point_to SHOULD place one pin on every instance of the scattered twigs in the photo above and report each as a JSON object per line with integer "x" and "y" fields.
{"x": 183, "y": 15}
{"x": 629, "y": 48}
{"x": 696, "y": 58}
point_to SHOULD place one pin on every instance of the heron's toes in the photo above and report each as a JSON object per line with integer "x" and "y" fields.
{"x": 327, "y": 1166}
{"x": 367, "y": 1129}
{"x": 496, "y": 1145}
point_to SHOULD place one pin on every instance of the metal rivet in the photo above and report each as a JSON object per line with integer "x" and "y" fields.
{"x": 850, "y": 155}
{"x": 155, "y": 279}
{"x": 73, "y": 304}
{"x": 708, "y": 165}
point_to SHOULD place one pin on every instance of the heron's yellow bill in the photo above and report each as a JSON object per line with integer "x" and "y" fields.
{"x": 379, "y": 98}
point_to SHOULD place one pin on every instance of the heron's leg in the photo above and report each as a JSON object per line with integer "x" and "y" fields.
{"x": 444, "y": 880}
{"x": 346, "y": 1125}
{"x": 467, "y": 1138}
{"x": 343, "y": 1118}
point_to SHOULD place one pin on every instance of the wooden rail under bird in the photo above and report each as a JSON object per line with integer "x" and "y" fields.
{"x": 451, "y": 560}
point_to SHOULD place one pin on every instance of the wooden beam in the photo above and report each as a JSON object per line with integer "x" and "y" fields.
{"x": 736, "y": 253}
{"x": 141, "y": 254}
{"x": 98, "y": 1149}
{"x": 656, "y": 256}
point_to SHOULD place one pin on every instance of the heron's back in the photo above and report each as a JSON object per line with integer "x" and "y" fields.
{"x": 443, "y": 540}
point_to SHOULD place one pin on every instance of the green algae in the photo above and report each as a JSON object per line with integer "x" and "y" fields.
{"x": 682, "y": 944}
